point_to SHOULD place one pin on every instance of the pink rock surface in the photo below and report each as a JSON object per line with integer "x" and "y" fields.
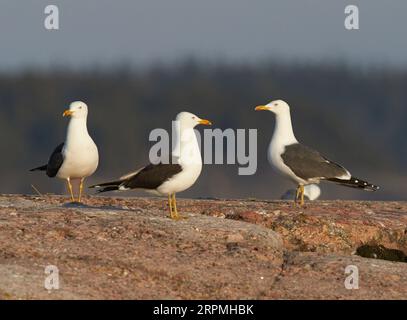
{"x": 127, "y": 248}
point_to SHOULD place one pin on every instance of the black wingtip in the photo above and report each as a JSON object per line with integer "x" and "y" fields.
{"x": 372, "y": 187}
{"x": 106, "y": 189}
{"x": 356, "y": 183}
{"x": 107, "y": 184}
{"x": 41, "y": 168}
{"x": 365, "y": 185}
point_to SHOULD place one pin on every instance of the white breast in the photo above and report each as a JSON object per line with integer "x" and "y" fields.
{"x": 181, "y": 181}
{"x": 81, "y": 157}
{"x": 188, "y": 156}
{"x": 283, "y": 135}
{"x": 80, "y": 160}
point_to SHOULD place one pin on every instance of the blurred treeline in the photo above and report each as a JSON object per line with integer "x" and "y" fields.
{"x": 356, "y": 117}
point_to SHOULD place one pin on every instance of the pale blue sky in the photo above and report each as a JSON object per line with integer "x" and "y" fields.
{"x": 106, "y": 32}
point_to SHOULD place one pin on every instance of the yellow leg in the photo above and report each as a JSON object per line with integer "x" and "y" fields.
{"x": 81, "y": 189}
{"x": 70, "y": 189}
{"x": 302, "y": 195}
{"x": 297, "y": 194}
{"x": 170, "y": 205}
{"x": 174, "y": 206}
{"x": 175, "y": 215}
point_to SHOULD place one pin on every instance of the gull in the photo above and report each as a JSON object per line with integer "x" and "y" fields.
{"x": 300, "y": 163}
{"x": 168, "y": 178}
{"x": 77, "y": 158}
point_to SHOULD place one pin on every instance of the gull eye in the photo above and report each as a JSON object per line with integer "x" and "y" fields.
{"x": 80, "y": 107}
{"x": 193, "y": 118}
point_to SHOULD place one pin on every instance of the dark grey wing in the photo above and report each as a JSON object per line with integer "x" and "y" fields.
{"x": 152, "y": 176}
{"x": 55, "y": 161}
{"x": 307, "y": 163}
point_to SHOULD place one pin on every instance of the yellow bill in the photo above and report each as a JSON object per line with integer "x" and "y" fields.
{"x": 205, "y": 122}
{"x": 67, "y": 113}
{"x": 259, "y": 108}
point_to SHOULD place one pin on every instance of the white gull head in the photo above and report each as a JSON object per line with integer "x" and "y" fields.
{"x": 283, "y": 131}
{"x": 276, "y": 106}
{"x": 77, "y": 110}
{"x": 186, "y": 147}
{"x": 190, "y": 120}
